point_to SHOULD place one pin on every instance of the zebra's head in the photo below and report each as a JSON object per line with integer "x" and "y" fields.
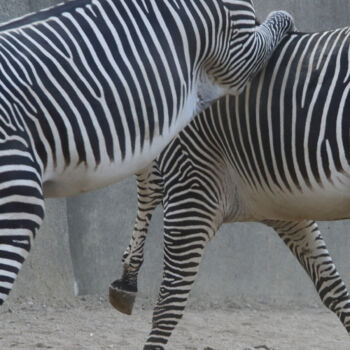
{"x": 245, "y": 45}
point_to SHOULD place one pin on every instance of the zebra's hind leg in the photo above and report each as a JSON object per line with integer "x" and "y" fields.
{"x": 188, "y": 224}
{"x": 306, "y": 243}
{"x": 122, "y": 292}
{"x": 21, "y": 214}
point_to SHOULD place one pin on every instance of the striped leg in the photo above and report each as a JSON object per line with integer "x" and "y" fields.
{"x": 21, "y": 214}
{"x": 122, "y": 292}
{"x": 306, "y": 243}
{"x": 187, "y": 232}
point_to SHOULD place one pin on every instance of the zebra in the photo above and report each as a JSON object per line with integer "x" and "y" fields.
{"x": 92, "y": 90}
{"x": 278, "y": 154}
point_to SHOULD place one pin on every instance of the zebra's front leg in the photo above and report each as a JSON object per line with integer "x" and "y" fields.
{"x": 306, "y": 243}
{"x": 122, "y": 292}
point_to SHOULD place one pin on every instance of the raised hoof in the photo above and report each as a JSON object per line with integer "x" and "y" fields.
{"x": 121, "y": 299}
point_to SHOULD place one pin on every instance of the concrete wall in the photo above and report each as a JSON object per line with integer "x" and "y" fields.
{"x": 310, "y": 15}
{"x": 244, "y": 261}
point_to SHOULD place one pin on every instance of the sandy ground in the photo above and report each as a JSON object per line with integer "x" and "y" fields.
{"x": 90, "y": 323}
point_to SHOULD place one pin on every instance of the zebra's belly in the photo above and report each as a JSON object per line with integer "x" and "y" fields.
{"x": 87, "y": 176}
{"x": 323, "y": 204}
{"x": 83, "y": 179}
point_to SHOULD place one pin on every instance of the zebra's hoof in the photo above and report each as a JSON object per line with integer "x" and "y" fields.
{"x": 121, "y": 299}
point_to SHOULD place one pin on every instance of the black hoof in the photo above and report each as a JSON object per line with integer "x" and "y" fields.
{"x": 121, "y": 297}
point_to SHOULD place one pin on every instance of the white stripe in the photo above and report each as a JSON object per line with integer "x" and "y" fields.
{"x": 21, "y": 199}
{"x": 22, "y": 216}
{"x": 3, "y": 296}
{"x": 8, "y": 274}
{"x": 15, "y": 232}
{"x": 12, "y": 263}
{"x": 13, "y": 249}
{"x": 25, "y": 183}
{"x": 6, "y": 285}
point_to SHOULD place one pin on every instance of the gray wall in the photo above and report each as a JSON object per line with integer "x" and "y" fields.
{"x": 244, "y": 261}
{"x": 310, "y": 15}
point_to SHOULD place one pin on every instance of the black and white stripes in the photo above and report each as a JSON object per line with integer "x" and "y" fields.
{"x": 92, "y": 90}
{"x": 279, "y": 154}
{"x": 100, "y": 83}
{"x": 302, "y": 104}
{"x": 21, "y": 208}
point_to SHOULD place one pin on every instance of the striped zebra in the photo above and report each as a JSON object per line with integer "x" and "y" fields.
{"x": 278, "y": 154}
{"x": 92, "y": 90}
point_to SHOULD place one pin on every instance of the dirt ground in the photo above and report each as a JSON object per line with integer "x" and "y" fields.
{"x": 90, "y": 323}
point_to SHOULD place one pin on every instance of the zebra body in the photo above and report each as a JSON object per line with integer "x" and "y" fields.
{"x": 92, "y": 90}
{"x": 102, "y": 86}
{"x": 278, "y": 154}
